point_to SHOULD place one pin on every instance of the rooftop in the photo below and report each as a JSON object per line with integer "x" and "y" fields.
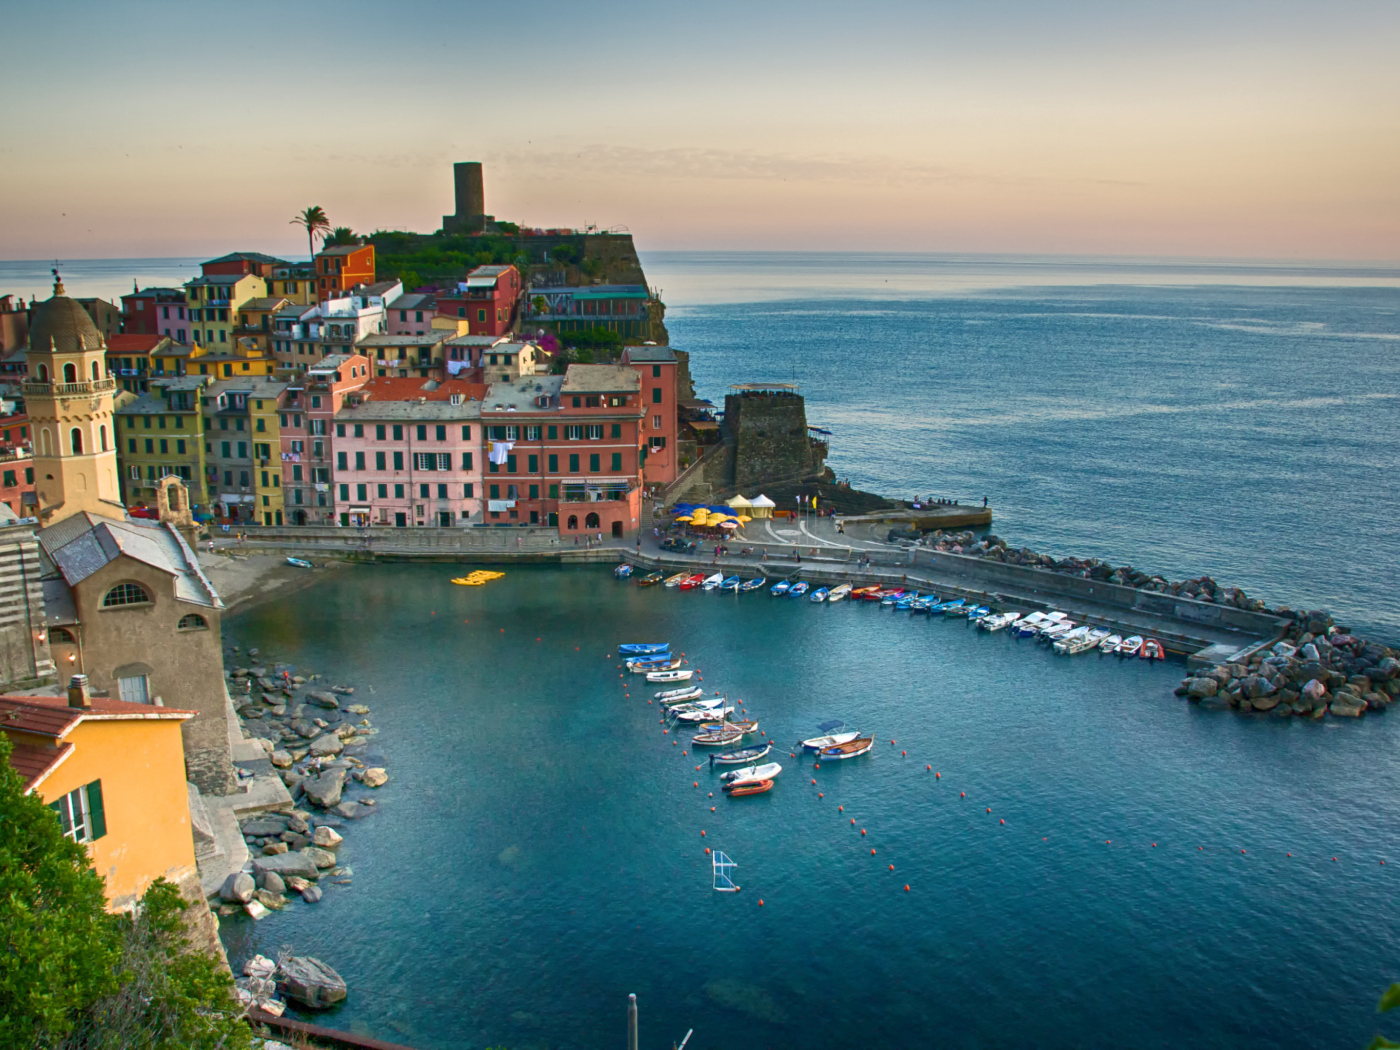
{"x": 414, "y": 411}
{"x": 521, "y": 395}
{"x": 489, "y": 271}
{"x": 134, "y": 343}
{"x": 398, "y": 388}
{"x": 343, "y": 249}
{"x": 379, "y": 339}
{"x": 272, "y": 302}
{"x": 600, "y": 379}
{"x": 220, "y": 278}
{"x": 649, "y": 354}
{"x": 257, "y": 257}
{"x": 414, "y": 301}
{"x": 180, "y": 382}
{"x": 83, "y": 544}
{"x": 476, "y": 340}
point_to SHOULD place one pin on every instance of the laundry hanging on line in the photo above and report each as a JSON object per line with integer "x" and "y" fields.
{"x": 499, "y": 450}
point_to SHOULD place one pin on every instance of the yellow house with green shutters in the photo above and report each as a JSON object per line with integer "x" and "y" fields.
{"x": 214, "y": 302}
{"x": 161, "y": 433}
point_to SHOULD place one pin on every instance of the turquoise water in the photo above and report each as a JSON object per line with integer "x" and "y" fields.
{"x": 537, "y": 854}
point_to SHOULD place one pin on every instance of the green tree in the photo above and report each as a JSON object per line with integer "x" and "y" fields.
{"x": 75, "y": 977}
{"x": 1389, "y": 1001}
{"x": 314, "y": 220}
{"x": 340, "y": 235}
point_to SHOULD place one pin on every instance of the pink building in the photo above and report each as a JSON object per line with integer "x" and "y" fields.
{"x": 307, "y": 411}
{"x": 411, "y": 314}
{"x": 408, "y": 453}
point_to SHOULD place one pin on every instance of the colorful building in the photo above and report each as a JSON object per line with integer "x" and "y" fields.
{"x": 405, "y": 356}
{"x": 242, "y": 449}
{"x": 129, "y": 359}
{"x": 256, "y": 320}
{"x": 17, "y": 479}
{"x": 306, "y": 416}
{"x": 411, "y": 314}
{"x": 213, "y": 303}
{"x": 340, "y": 268}
{"x": 14, "y": 324}
{"x": 486, "y": 300}
{"x": 106, "y": 316}
{"x": 114, "y": 775}
{"x": 294, "y": 282}
{"x": 303, "y": 336}
{"x": 162, "y": 433}
{"x": 154, "y": 311}
{"x": 237, "y": 263}
{"x": 658, "y": 368}
{"x": 621, "y": 308}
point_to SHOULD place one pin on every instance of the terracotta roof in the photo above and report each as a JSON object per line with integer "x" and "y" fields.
{"x": 398, "y": 388}
{"x": 131, "y": 342}
{"x": 36, "y": 763}
{"x": 51, "y": 716}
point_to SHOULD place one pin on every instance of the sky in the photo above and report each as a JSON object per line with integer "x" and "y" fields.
{"x": 1225, "y": 129}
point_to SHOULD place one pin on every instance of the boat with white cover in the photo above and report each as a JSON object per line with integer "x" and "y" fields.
{"x": 682, "y": 675}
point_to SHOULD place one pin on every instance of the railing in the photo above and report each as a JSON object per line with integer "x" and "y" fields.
{"x": 89, "y": 388}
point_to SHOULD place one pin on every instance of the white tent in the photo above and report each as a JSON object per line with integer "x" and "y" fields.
{"x": 762, "y": 506}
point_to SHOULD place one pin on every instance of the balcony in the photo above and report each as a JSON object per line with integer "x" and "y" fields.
{"x": 87, "y": 389}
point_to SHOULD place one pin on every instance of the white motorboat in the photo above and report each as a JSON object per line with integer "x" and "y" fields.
{"x": 1130, "y": 646}
{"x": 1056, "y": 630}
{"x": 767, "y": 771}
{"x": 711, "y": 582}
{"x": 1073, "y": 638}
{"x": 839, "y": 592}
{"x": 706, "y": 715}
{"x": 682, "y": 697}
{"x": 698, "y": 705}
{"x": 998, "y": 621}
{"x": 1098, "y": 634}
{"x": 1030, "y": 624}
{"x": 833, "y": 734}
{"x": 1111, "y": 643}
{"x": 682, "y": 675}
{"x": 685, "y": 692}
{"x": 643, "y": 664}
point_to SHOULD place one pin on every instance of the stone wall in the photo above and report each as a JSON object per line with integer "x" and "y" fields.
{"x": 25, "y": 658}
{"x": 768, "y": 432}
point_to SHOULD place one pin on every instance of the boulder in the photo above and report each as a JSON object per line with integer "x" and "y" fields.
{"x": 327, "y": 744}
{"x": 296, "y": 883}
{"x": 1257, "y": 687}
{"x": 325, "y": 790}
{"x": 1386, "y": 668}
{"x": 274, "y": 848}
{"x": 1314, "y": 690}
{"x": 238, "y": 888}
{"x": 322, "y": 858}
{"x": 285, "y": 864}
{"x": 1344, "y": 706}
{"x": 271, "y": 901}
{"x": 311, "y": 894}
{"x": 1362, "y": 683}
{"x": 272, "y": 882}
{"x": 304, "y": 729}
{"x": 1264, "y": 703}
{"x": 297, "y": 824}
{"x": 310, "y": 981}
{"x": 281, "y": 759}
{"x": 350, "y": 810}
{"x": 375, "y": 777}
{"x": 295, "y": 841}
{"x": 1201, "y": 688}
{"x": 326, "y": 700}
{"x": 358, "y": 709}
{"x": 327, "y": 838}
{"x": 1376, "y": 701}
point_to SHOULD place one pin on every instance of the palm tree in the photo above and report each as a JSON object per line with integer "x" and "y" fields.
{"x": 316, "y": 224}
{"x": 340, "y": 235}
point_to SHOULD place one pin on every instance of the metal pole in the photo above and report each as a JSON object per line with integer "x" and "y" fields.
{"x": 632, "y": 1021}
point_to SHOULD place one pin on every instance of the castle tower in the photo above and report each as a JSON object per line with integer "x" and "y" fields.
{"x": 68, "y": 396}
{"x": 471, "y": 214}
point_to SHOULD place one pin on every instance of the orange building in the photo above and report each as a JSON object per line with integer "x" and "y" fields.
{"x": 114, "y": 774}
{"x": 341, "y": 268}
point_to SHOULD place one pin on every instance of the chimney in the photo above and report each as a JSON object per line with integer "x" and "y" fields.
{"x": 78, "y": 695}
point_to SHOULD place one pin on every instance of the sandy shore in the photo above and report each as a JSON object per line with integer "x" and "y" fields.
{"x": 246, "y": 579}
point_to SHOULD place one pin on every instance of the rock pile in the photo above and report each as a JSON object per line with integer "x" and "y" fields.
{"x": 319, "y": 748}
{"x": 1201, "y": 589}
{"x": 1319, "y": 670}
{"x": 303, "y": 978}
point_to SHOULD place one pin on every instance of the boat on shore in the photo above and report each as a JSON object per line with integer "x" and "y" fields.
{"x": 623, "y": 571}
{"x": 850, "y": 749}
{"x": 302, "y": 563}
{"x": 643, "y": 648}
{"x": 741, "y": 756}
{"x": 682, "y": 675}
{"x": 839, "y": 592}
{"x": 819, "y": 595}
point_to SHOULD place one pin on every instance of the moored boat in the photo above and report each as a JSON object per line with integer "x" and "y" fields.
{"x": 677, "y": 579}
{"x": 713, "y": 581}
{"x": 906, "y": 601}
{"x": 1130, "y": 646}
{"x": 997, "y": 621}
{"x": 671, "y": 697}
{"x": 798, "y": 589}
{"x": 742, "y": 726}
{"x": 692, "y": 581}
{"x": 1029, "y": 625}
{"x": 1065, "y": 639}
{"x": 1056, "y": 630}
{"x": 861, "y": 593}
{"x": 977, "y": 614}
{"x": 749, "y": 787}
{"x": 741, "y": 756}
{"x": 767, "y": 771}
{"x": 850, "y": 749}
{"x": 302, "y": 563}
{"x": 1152, "y": 650}
{"x": 681, "y": 675}
{"x": 780, "y": 588}
{"x": 716, "y": 738}
{"x": 705, "y": 707}
{"x": 819, "y": 595}
{"x": 654, "y": 663}
{"x": 650, "y": 579}
{"x": 839, "y": 592}
{"x": 956, "y": 607}
{"x": 753, "y": 584}
{"x": 730, "y": 583}
{"x": 832, "y": 734}
{"x": 893, "y": 595}
{"x": 623, "y": 571}
{"x": 703, "y": 715}
{"x": 643, "y": 648}
{"x": 1111, "y": 643}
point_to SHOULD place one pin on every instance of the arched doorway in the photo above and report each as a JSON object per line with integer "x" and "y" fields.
{"x": 591, "y": 522}
{"x": 617, "y": 530}
{"x": 573, "y": 523}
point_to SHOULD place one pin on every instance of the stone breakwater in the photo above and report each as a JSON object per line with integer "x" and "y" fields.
{"x": 1318, "y": 670}
{"x": 993, "y": 548}
{"x": 321, "y": 745}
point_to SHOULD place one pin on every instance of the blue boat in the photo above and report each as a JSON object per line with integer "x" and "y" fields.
{"x": 819, "y": 595}
{"x": 955, "y": 608}
{"x": 891, "y": 599}
{"x": 754, "y": 584}
{"x": 798, "y": 589}
{"x": 975, "y": 614}
{"x": 730, "y": 583}
{"x": 780, "y": 588}
{"x": 924, "y": 603}
{"x": 644, "y": 648}
{"x": 623, "y": 571}
{"x": 907, "y": 602}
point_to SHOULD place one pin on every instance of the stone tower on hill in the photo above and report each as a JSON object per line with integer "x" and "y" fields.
{"x": 471, "y": 214}
{"x": 69, "y": 397}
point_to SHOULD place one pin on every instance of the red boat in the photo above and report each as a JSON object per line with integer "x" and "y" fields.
{"x": 691, "y": 582}
{"x": 881, "y": 593}
{"x": 1152, "y": 650}
{"x": 748, "y": 787}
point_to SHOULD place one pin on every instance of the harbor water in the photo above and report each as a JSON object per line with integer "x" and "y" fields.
{"x": 538, "y": 851}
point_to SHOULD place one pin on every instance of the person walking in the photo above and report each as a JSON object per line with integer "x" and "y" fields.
{"x": 984, "y": 502}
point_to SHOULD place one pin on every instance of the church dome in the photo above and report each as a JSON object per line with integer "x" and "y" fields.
{"x": 61, "y": 326}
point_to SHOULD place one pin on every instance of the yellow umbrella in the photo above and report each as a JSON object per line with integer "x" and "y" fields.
{"x": 744, "y": 519}
{"x": 684, "y": 517}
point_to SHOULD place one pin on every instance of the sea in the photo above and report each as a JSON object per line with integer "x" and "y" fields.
{"x": 1164, "y": 877}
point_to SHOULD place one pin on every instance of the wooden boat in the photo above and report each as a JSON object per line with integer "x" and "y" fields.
{"x": 891, "y": 596}
{"x": 713, "y": 581}
{"x": 677, "y": 579}
{"x": 861, "y": 593}
{"x": 643, "y": 648}
{"x": 1152, "y": 650}
{"x": 749, "y": 787}
{"x": 1111, "y": 643}
{"x": 722, "y": 867}
{"x": 744, "y": 726}
{"x": 302, "y": 563}
{"x": 881, "y": 593}
{"x": 623, "y": 571}
{"x": 730, "y": 583}
{"x": 819, "y": 595}
{"x": 686, "y": 693}
{"x": 1130, "y": 646}
{"x": 471, "y": 579}
{"x": 798, "y": 589}
{"x": 654, "y": 663}
{"x": 650, "y": 579}
{"x": 702, "y": 715}
{"x": 682, "y": 675}
{"x": 957, "y": 607}
{"x": 839, "y": 592}
{"x": 753, "y": 584}
{"x": 832, "y": 734}
{"x": 997, "y": 621}
{"x": 850, "y": 749}
{"x": 705, "y": 707}
{"x": 906, "y": 601}
{"x": 780, "y": 588}
{"x": 767, "y": 771}
{"x": 715, "y": 738}
{"x": 692, "y": 581}
{"x": 743, "y": 756}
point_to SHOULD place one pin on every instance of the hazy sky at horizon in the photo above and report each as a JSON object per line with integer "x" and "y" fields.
{"x": 1227, "y": 128}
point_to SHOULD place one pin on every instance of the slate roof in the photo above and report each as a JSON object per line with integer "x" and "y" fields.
{"x": 650, "y": 354}
{"x": 414, "y": 301}
{"x": 597, "y": 379}
{"x": 59, "y": 610}
{"x": 257, "y": 257}
{"x": 520, "y": 395}
{"x": 81, "y": 545}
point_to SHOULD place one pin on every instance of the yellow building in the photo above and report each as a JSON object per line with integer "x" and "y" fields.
{"x": 114, "y": 772}
{"x": 243, "y": 358}
{"x": 294, "y": 282}
{"x": 267, "y": 451}
{"x": 213, "y": 303}
{"x": 69, "y": 397}
{"x": 255, "y": 321}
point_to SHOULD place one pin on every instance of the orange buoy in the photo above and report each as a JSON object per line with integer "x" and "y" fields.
{"x": 712, "y": 808}
{"x": 1003, "y": 820}
{"x": 904, "y": 752}
{"x": 840, "y": 809}
{"x": 816, "y": 765}
{"x": 928, "y": 767}
{"x": 712, "y": 794}
{"x": 707, "y": 849}
{"x": 1200, "y": 847}
{"x": 891, "y": 867}
{"x": 760, "y": 902}
{"x": 537, "y": 639}
{"x": 1334, "y": 860}
{"x": 1154, "y": 845}
{"x": 862, "y": 831}
{"x": 702, "y": 834}
{"x": 906, "y": 887}
{"x": 696, "y": 784}
{"x": 853, "y": 820}
{"x": 891, "y": 743}
{"x": 872, "y": 853}
{"x": 1241, "y": 851}
{"x": 814, "y": 780}
{"x": 697, "y": 769}
{"x": 791, "y": 755}
{"x": 938, "y": 776}
{"x": 664, "y": 732}
{"x": 820, "y": 795}
{"x": 962, "y": 794}
{"x": 989, "y": 809}
{"x": 1290, "y": 854}
{"x": 1108, "y": 842}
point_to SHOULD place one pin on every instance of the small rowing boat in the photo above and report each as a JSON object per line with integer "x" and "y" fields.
{"x": 1130, "y": 646}
{"x": 892, "y": 596}
{"x": 861, "y": 593}
{"x": 958, "y": 607}
{"x": 1111, "y": 643}
{"x": 703, "y": 706}
{"x": 667, "y": 662}
{"x": 906, "y": 601}
{"x": 713, "y": 581}
{"x": 879, "y": 594}
{"x": 623, "y": 571}
{"x": 643, "y": 648}
{"x": 1152, "y": 650}
{"x": 780, "y": 588}
{"x": 744, "y": 726}
{"x": 839, "y": 592}
{"x": 749, "y": 787}
{"x": 767, "y": 771}
{"x": 819, "y": 595}
{"x": 682, "y": 675}
{"x": 703, "y": 714}
{"x": 692, "y": 581}
{"x": 742, "y": 756}
{"x": 798, "y": 589}
{"x": 730, "y": 583}
{"x": 832, "y": 734}
{"x": 677, "y": 579}
{"x": 977, "y": 614}
{"x": 850, "y": 749}
{"x": 686, "y": 693}
{"x": 650, "y": 579}
{"x": 715, "y": 738}
{"x": 302, "y": 563}
{"x": 997, "y": 621}
{"x": 753, "y": 584}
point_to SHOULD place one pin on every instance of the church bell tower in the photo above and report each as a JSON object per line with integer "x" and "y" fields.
{"x": 69, "y": 398}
